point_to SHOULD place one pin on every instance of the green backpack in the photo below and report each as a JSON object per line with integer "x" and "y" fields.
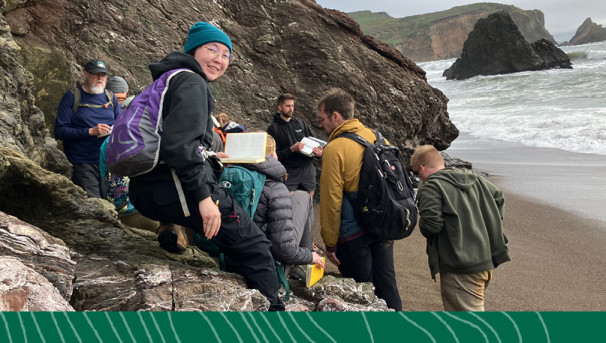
{"x": 246, "y": 186}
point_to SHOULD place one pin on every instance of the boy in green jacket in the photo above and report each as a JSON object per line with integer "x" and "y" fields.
{"x": 462, "y": 219}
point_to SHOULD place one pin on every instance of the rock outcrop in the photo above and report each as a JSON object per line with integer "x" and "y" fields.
{"x": 37, "y": 273}
{"x": 39, "y": 251}
{"x": 22, "y": 126}
{"x": 24, "y": 289}
{"x": 496, "y": 46}
{"x": 285, "y": 46}
{"x": 588, "y": 32}
{"x": 441, "y": 35}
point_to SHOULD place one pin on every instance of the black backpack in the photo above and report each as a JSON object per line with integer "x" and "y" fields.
{"x": 385, "y": 206}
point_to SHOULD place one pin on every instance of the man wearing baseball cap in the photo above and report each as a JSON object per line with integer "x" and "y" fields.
{"x": 86, "y": 113}
{"x": 187, "y": 126}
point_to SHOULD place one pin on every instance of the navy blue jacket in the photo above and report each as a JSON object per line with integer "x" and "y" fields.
{"x": 72, "y": 129}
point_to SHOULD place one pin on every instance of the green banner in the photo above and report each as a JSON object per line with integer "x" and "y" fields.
{"x": 301, "y": 327}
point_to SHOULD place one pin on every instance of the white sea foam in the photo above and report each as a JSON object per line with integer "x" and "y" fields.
{"x": 558, "y": 108}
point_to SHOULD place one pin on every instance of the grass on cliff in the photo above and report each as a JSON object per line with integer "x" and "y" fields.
{"x": 395, "y": 31}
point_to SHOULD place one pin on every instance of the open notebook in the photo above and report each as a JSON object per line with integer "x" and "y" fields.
{"x": 310, "y": 143}
{"x": 245, "y": 147}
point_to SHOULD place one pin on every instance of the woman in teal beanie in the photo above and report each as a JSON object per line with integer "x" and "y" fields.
{"x": 187, "y": 126}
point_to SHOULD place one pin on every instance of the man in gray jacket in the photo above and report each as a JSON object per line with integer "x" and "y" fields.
{"x": 462, "y": 219}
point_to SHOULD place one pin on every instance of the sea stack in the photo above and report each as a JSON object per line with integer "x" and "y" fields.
{"x": 496, "y": 46}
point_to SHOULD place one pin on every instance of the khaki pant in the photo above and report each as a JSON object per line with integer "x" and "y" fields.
{"x": 140, "y": 222}
{"x": 464, "y": 292}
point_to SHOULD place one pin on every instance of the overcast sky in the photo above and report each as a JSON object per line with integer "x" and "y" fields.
{"x": 562, "y": 17}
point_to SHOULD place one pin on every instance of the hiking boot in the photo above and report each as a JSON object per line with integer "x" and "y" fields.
{"x": 172, "y": 238}
{"x": 277, "y": 306}
{"x": 297, "y": 272}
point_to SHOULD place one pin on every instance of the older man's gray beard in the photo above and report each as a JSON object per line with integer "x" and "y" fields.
{"x": 94, "y": 89}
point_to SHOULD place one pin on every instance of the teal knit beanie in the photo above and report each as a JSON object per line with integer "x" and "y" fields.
{"x": 202, "y": 33}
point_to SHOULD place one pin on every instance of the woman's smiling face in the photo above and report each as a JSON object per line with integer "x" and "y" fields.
{"x": 214, "y": 59}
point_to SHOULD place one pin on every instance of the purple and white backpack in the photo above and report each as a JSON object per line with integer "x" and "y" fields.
{"x": 134, "y": 144}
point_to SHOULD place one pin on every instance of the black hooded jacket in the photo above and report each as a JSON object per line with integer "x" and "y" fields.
{"x": 287, "y": 133}
{"x": 186, "y": 123}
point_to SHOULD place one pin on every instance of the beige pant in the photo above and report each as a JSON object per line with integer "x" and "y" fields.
{"x": 464, "y": 292}
{"x": 139, "y": 221}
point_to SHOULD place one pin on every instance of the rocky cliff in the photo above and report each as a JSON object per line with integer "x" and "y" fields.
{"x": 588, "y": 32}
{"x": 280, "y": 46}
{"x": 441, "y": 35}
{"x": 496, "y": 46}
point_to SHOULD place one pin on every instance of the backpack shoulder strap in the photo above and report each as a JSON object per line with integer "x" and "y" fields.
{"x": 355, "y": 137}
{"x": 236, "y": 167}
{"x": 77, "y": 96}
{"x": 110, "y": 97}
{"x": 380, "y": 138}
{"x": 282, "y": 279}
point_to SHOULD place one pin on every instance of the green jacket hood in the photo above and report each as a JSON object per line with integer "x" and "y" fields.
{"x": 463, "y": 181}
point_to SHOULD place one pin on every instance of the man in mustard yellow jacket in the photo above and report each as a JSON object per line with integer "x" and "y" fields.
{"x": 359, "y": 255}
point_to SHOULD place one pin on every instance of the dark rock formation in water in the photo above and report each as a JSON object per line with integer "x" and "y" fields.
{"x": 552, "y": 56}
{"x": 441, "y": 35}
{"x": 496, "y": 46}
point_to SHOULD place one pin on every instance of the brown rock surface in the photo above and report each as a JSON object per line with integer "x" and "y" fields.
{"x": 39, "y": 251}
{"x": 105, "y": 285}
{"x": 23, "y": 289}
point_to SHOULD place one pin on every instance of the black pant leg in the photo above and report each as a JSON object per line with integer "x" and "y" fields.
{"x": 238, "y": 238}
{"x": 356, "y": 259}
{"x": 384, "y": 274}
{"x": 246, "y": 245}
{"x": 87, "y": 176}
{"x": 367, "y": 259}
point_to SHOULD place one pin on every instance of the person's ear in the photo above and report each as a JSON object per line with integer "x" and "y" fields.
{"x": 421, "y": 171}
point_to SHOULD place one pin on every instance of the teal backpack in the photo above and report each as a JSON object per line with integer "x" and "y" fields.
{"x": 246, "y": 187}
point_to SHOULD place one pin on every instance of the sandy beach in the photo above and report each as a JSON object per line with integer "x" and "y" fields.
{"x": 555, "y": 225}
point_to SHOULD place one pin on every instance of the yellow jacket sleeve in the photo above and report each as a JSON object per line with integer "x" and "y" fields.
{"x": 331, "y": 195}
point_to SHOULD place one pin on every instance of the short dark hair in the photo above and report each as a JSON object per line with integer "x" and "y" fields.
{"x": 338, "y": 100}
{"x": 286, "y": 96}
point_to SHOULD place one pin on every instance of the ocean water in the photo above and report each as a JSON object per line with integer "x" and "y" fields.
{"x": 559, "y": 108}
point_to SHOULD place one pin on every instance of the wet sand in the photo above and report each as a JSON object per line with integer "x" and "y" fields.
{"x": 558, "y": 250}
